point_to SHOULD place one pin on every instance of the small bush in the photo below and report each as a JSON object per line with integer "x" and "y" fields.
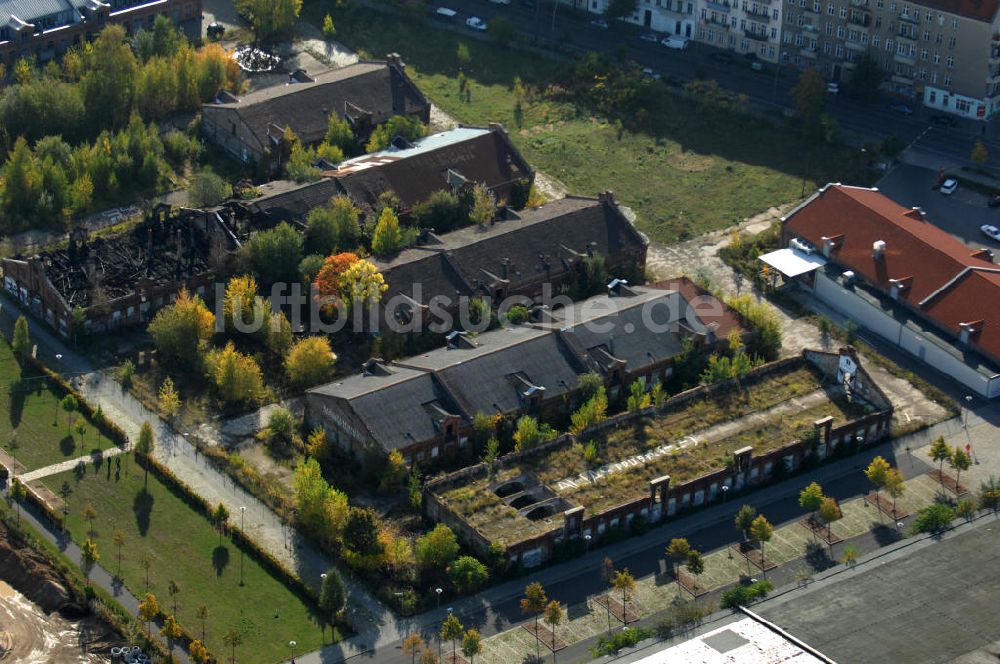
{"x": 743, "y": 595}
{"x": 626, "y": 638}
{"x": 933, "y": 519}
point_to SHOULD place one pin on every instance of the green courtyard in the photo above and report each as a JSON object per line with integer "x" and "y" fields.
{"x": 36, "y": 431}
{"x": 671, "y": 174}
{"x": 181, "y": 546}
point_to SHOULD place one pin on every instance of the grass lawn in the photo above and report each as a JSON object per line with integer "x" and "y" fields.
{"x": 44, "y": 434}
{"x": 695, "y": 171}
{"x": 182, "y": 546}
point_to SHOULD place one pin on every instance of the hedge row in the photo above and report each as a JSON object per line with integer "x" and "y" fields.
{"x": 107, "y": 427}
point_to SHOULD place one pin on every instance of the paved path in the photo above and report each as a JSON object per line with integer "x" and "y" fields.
{"x": 69, "y": 464}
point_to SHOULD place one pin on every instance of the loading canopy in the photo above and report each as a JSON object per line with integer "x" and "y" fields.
{"x": 792, "y": 263}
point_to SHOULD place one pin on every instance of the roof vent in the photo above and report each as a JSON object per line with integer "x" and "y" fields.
{"x": 878, "y": 248}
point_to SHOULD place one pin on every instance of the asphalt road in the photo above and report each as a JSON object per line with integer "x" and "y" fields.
{"x": 960, "y": 214}
{"x": 765, "y": 88}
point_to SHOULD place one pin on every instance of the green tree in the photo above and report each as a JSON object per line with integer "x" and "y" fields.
{"x": 762, "y": 531}
{"x": 533, "y": 604}
{"x": 867, "y": 78}
{"x": 234, "y": 639}
{"x": 18, "y": 493}
{"x": 940, "y": 452}
{"x": 332, "y": 598}
{"x": 695, "y": 564}
{"x": 339, "y": 134}
{"x": 894, "y": 486}
{"x": 965, "y": 509}
{"x": 269, "y": 18}
{"x": 21, "y": 342}
{"x": 744, "y": 519}
{"x": 452, "y": 630}
{"x": 624, "y": 582}
{"x": 809, "y": 94}
{"x": 329, "y": 30}
{"x": 413, "y": 644}
{"x": 484, "y": 204}
{"x": 437, "y": 548}
{"x": 220, "y": 517}
{"x": 468, "y": 574}
{"x": 979, "y": 154}
{"x": 171, "y": 631}
{"x": 237, "y": 377}
{"x": 501, "y": 30}
{"x": 876, "y": 472}
{"x": 322, "y": 231}
{"x": 144, "y": 448}
{"x": 529, "y": 433}
{"x": 89, "y": 515}
{"x": 989, "y": 494}
{"x": 472, "y": 645}
{"x": 829, "y": 511}
{"x": 676, "y": 551}
{"x": 310, "y": 361}
{"x": 89, "y": 554}
{"x": 553, "y": 616}
{"x": 933, "y": 519}
{"x": 850, "y": 555}
{"x": 69, "y": 404}
{"x": 321, "y": 509}
{"x": 361, "y": 532}
{"x": 169, "y": 401}
{"x": 463, "y": 56}
{"x": 621, "y": 8}
{"x": 276, "y": 253}
{"x": 149, "y": 608}
{"x": 208, "y": 188}
{"x": 959, "y": 461}
{"x": 637, "y": 397}
{"x": 810, "y": 498}
{"x": 119, "y": 539}
{"x": 387, "y": 238}
{"x": 108, "y": 81}
{"x": 181, "y": 330}
{"x": 407, "y": 128}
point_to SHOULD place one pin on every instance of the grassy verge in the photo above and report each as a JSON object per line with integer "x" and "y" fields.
{"x": 36, "y": 430}
{"x": 694, "y": 171}
{"x": 182, "y": 546}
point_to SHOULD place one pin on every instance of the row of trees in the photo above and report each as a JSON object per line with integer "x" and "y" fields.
{"x": 44, "y": 186}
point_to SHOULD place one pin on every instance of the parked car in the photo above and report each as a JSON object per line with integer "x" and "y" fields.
{"x": 942, "y": 120}
{"x": 724, "y": 58}
{"x": 675, "y": 42}
{"x": 444, "y": 12}
{"x": 833, "y": 88}
{"x": 949, "y": 186}
{"x": 475, "y": 23}
{"x": 993, "y": 202}
{"x": 599, "y": 23}
{"x": 215, "y": 30}
{"x": 902, "y": 109}
{"x": 650, "y": 37}
{"x": 990, "y": 231}
{"x": 500, "y": 2}
{"x": 652, "y": 73}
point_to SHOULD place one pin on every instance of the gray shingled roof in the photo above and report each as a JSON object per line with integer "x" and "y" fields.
{"x": 374, "y": 87}
{"x": 31, "y": 10}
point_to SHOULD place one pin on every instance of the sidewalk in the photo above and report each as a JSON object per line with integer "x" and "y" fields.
{"x": 69, "y": 464}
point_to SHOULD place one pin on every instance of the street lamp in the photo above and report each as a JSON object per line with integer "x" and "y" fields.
{"x": 586, "y": 539}
{"x": 59, "y": 363}
{"x": 291, "y": 646}
{"x": 968, "y": 407}
{"x": 439, "y": 591}
{"x": 243, "y": 533}
{"x": 725, "y": 490}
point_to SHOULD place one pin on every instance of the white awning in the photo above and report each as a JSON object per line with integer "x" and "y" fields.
{"x": 792, "y": 262}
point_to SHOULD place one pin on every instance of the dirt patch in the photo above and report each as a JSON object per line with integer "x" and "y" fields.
{"x": 884, "y": 505}
{"x": 544, "y": 635}
{"x": 823, "y": 532}
{"x": 948, "y": 482}
{"x": 617, "y": 610}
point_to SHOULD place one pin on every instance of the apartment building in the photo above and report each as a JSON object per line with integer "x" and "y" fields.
{"x": 47, "y": 28}
{"x": 671, "y": 17}
{"x": 748, "y": 27}
{"x": 944, "y": 54}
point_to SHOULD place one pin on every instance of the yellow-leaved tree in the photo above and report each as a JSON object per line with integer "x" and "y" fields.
{"x": 309, "y": 361}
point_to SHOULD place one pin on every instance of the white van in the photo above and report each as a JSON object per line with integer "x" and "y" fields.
{"x": 444, "y": 12}
{"x": 675, "y": 42}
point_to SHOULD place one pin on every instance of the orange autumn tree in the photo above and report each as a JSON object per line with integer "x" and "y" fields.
{"x": 329, "y": 280}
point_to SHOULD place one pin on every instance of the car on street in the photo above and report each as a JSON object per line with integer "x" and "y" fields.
{"x": 991, "y": 231}
{"x": 675, "y": 42}
{"x": 500, "y": 2}
{"x": 833, "y": 88}
{"x": 724, "y": 58}
{"x": 949, "y": 186}
{"x": 650, "y": 37}
{"x": 445, "y": 12}
{"x": 599, "y": 23}
{"x": 902, "y": 109}
{"x": 942, "y": 120}
{"x": 476, "y": 23}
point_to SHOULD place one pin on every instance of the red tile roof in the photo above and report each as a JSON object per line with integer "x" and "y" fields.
{"x": 709, "y": 310}
{"x": 944, "y": 280}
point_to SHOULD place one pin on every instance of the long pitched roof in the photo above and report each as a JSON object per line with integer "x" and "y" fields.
{"x": 378, "y": 88}
{"x": 980, "y": 10}
{"x": 438, "y": 162}
{"x": 942, "y": 278}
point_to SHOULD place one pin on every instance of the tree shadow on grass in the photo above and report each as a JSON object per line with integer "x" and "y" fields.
{"x": 142, "y": 506}
{"x": 220, "y": 559}
{"x": 67, "y": 446}
{"x": 15, "y": 401}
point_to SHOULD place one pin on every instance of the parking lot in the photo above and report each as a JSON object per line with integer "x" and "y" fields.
{"x": 961, "y": 213}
